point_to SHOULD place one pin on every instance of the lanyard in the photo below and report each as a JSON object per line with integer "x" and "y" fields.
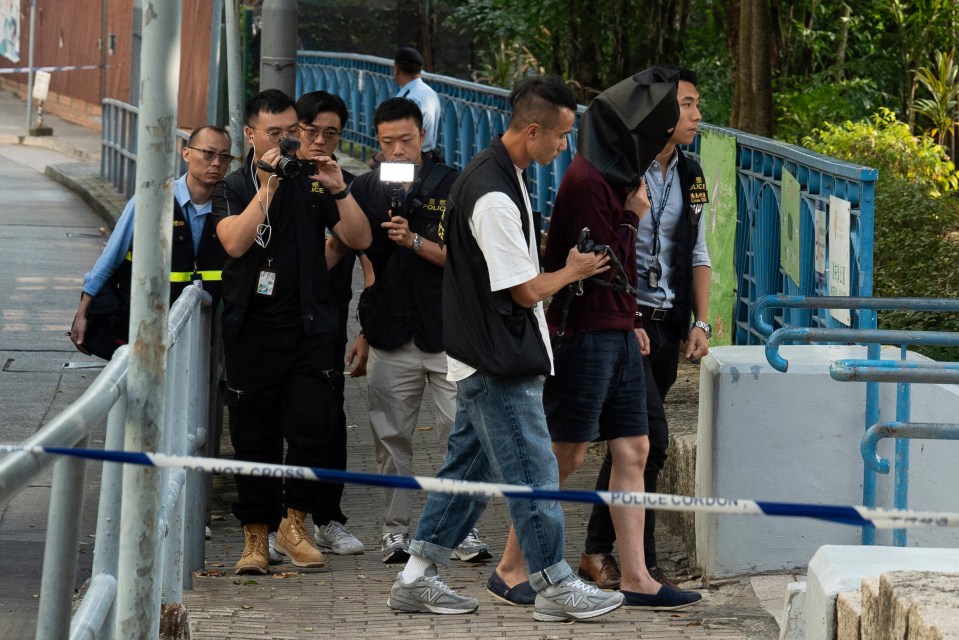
{"x": 662, "y": 207}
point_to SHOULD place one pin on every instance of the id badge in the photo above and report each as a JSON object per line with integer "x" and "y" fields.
{"x": 266, "y": 282}
{"x": 653, "y": 279}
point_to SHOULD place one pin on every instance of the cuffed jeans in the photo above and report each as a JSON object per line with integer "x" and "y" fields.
{"x": 499, "y": 435}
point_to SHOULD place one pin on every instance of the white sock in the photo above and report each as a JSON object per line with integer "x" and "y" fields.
{"x": 415, "y": 568}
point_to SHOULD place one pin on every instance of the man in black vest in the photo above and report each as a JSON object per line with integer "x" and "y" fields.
{"x": 280, "y": 325}
{"x": 673, "y": 295}
{"x": 196, "y": 255}
{"x": 496, "y": 338}
{"x": 402, "y": 319}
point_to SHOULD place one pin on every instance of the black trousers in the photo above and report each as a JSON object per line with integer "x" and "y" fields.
{"x": 660, "y": 370}
{"x": 281, "y": 385}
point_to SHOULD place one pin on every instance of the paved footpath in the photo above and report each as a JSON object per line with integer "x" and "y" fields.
{"x": 347, "y": 598}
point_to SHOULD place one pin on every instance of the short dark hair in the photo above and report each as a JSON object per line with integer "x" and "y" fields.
{"x": 208, "y": 127}
{"x": 409, "y": 68}
{"x": 397, "y": 109}
{"x": 316, "y": 102}
{"x": 268, "y": 101}
{"x": 688, "y": 75}
{"x": 539, "y": 99}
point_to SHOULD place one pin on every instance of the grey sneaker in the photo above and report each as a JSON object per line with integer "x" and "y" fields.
{"x": 573, "y": 599}
{"x": 275, "y": 557}
{"x": 338, "y": 539}
{"x": 472, "y": 549}
{"x": 428, "y": 594}
{"x": 394, "y": 547}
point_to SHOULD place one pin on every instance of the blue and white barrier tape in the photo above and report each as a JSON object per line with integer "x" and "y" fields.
{"x": 851, "y": 515}
{"x": 70, "y": 67}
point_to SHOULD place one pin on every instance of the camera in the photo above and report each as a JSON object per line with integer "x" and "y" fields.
{"x": 289, "y": 166}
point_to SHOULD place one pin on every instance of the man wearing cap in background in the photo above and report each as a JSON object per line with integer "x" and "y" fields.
{"x": 407, "y": 67}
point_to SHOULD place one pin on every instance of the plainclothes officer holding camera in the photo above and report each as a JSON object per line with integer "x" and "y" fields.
{"x": 280, "y": 323}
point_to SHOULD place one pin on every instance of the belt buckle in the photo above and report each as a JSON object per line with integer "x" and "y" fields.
{"x": 658, "y": 314}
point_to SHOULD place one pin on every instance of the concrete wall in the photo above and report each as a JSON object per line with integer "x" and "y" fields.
{"x": 794, "y": 437}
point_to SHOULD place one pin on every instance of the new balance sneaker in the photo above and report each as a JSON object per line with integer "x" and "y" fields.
{"x": 394, "y": 547}
{"x": 338, "y": 539}
{"x": 472, "y": 549}
{"x": 428, "y": 594}
{"x": 275, "y": 557}
{"x": 573, "y": 599}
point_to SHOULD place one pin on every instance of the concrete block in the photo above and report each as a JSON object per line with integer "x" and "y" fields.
{"x": 836, "y": 569}
{"x": 848, "y": 615}
{"x": 869, "y": 621}
{"x": 794, "y": 612}
{"x": 794, "y": 437}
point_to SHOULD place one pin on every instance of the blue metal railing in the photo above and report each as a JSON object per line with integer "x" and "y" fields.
{"x": 872, "y": 371}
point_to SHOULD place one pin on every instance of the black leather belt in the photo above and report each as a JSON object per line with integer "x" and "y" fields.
{"x": 656, "y": 315}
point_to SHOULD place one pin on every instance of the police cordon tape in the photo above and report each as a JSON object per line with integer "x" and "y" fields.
{"x": 69, "y": 67}
{"x": 851, "y": 515}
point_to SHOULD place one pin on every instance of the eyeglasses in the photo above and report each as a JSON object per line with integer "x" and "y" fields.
{"x": 209, "y": 155}
{"x": 275, "y": 134}
{"x": 312, "y": 134}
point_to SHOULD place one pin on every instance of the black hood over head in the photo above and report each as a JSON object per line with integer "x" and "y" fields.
{"x": 628, "y": 124}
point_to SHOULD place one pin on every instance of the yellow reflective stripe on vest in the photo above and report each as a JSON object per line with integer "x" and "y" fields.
{"x": 187, "y": 276}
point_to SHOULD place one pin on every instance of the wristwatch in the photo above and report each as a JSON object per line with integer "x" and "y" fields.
{"x": 340, "y": 195}
{"x": 417, "y": 242}
{"x": 705, "y": 326}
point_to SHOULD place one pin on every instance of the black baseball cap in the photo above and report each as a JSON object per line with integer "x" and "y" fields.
{"x": 408, "y": 54}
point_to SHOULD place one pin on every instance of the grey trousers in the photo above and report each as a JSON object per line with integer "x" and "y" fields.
{"x": 397, "y": 379}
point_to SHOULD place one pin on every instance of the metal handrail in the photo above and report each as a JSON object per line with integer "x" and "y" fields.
{"x": 872, "y": 371}
{"x": 187, "y": 371}
{"x": 875, "y": 433}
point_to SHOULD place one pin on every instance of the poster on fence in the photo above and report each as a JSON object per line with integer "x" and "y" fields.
{"x": 10, "y": 42}
{"x": 789, "y": 226}
{"x": 819, "y": 263}
{"x": 839, "y": 265}
{"x": 717, "y": 153}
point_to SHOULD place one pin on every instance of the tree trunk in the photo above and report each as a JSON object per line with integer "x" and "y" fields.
{"x": 425, "y": 32}
{"x": 752, "y": 95}
{"x": 843, "y": 40}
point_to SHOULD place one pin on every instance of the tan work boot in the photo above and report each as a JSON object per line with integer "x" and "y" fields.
{"x": 256, "y": 555}
{"x": 293, "y": 540}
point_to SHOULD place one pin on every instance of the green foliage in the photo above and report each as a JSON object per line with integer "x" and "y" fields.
{"x": 942, "y": 82}
{"x": 916, "y": 255}
{"x": 808, "y": 103}
{"x": 887, "y": 144}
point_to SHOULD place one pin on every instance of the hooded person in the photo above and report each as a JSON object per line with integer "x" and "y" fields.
{"x": 598, "y": 389}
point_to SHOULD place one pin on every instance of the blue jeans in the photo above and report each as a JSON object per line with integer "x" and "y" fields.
{"x": 499, "y": 435}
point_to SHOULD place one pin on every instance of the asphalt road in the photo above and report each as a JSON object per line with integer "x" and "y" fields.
{"x": 48, "y": 239}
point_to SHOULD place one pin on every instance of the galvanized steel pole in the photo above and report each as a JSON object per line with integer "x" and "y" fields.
{"x": 278, "y": 46}
{"x": 138, "y": 610}
{"x": 234, "y": 78}
{"x": 30, "y": 72}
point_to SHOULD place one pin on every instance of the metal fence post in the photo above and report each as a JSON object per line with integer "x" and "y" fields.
{"x": 138, "y": 612}
{"x": 60, "y": 550}
{"x": 234, "y": 77}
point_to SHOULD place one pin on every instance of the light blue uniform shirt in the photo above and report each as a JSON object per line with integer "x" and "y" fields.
{"x": 662, "y": 297}
{"x": 121, "y": 240}
{"x": 429, "y": 103}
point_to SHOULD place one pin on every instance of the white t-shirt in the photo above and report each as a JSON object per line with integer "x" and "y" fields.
{"x": 511, "y": 261}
